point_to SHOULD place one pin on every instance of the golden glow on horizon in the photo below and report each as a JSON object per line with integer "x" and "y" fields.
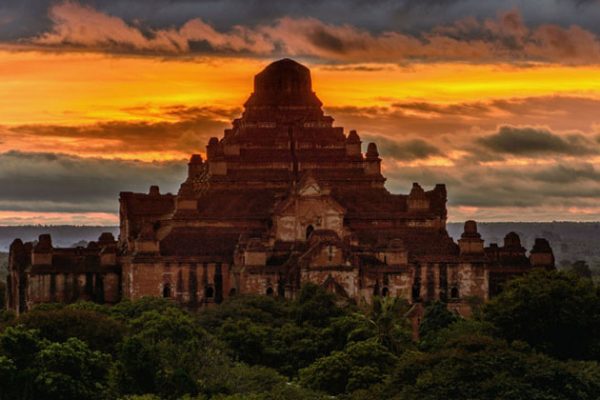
{"x": 57, "y": 218}
{"x": 84, "y": 88}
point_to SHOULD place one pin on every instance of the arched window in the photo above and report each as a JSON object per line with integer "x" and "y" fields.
{"x": 385, "y": 292}
{"x": 209, "y": 292}
{"x": 232, "y": 292}
{"x": 166, "y": 292}
{"x": 454, "y": 293}
{"x": 269, "y": 291}
{"x": 309, "y": 230}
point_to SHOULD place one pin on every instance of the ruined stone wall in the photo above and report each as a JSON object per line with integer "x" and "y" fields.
{"x": 344, "y": 276}
{"x": 263, "y": 281}
{"x": 59, "y": 287}
{"x": 190, "y": 283}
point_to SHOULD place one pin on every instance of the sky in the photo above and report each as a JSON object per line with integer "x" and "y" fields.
{"x": 499, "y": 100}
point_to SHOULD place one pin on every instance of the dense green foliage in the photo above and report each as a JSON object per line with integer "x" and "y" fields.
{"x": 436, "y": 317}
{"x": 538, "y": 340}
{"x": 556, "y": 313}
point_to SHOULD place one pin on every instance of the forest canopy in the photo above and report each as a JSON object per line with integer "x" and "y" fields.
{"x": 539, "y": 339}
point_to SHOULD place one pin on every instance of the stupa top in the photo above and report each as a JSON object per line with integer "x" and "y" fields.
{"x": 283, "y": 83}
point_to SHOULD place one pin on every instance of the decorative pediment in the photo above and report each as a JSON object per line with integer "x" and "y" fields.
{"x": 306, "y": 210}
{"x": 309, "y": 186}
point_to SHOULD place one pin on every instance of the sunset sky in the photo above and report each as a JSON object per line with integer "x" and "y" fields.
{"x": 498, "y": 99}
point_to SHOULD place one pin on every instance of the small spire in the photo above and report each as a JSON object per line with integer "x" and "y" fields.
{"x": 512, "y": 240}
{"x": 353, "y": 137}
{"x": 154, "y": 190}
{"x": 196, "y": 159}
{"x": 372, "y": 151}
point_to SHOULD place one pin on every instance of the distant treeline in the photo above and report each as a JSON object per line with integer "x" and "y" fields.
{"x": 62, "y": 235}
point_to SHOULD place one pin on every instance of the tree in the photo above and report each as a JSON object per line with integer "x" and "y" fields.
{"x": 18, "y": 348}
{"x": 259, "y": 309}
{"x": 359, "y": 366}
{"x": 97, "y": 329}
{"x": 284, "y": 335}
{"x": 168, "y": 354}
{"x": 71, "y": 371}
{"x": 128, "y": 310}
{"x": 8, "y": 374}
{"x": 435, "y": 318}
{"x": 316, "y": 306}
{"x": 581, "y": 269}
{"x": 474, "y": 366}
{"x": 34, "y": 368}
{"x": 248, "y": 340}
{"x": 391, "y": 327}
{"x": 555, "y": 312}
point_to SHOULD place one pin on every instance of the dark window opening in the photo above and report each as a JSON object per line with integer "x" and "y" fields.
{"x": 385, "y": 292}
{"x": 209, "y": 292}
{"x": 232, "y": 292}
{"x": 376, "y": 289}
{"x": 166, "y": 292}
{"x": 269, "y": 291}
{"x": 330, "y": 253}
{"x": 309, "y": 231}
{"x": 430, "y": 282}
{"x": 416, "y": 287}
{"x": 454, "y": 293}
{"x": 443, "y": 282}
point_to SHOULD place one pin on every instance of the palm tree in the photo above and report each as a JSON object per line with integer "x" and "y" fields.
{"x": 387, "y": 317}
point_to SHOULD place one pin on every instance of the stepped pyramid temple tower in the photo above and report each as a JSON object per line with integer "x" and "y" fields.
{"x": 283, "y": 198}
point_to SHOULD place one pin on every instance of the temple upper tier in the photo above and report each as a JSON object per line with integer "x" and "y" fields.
{"x": 284, "y": 133}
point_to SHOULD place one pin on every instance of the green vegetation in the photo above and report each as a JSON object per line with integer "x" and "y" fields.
{"x": 540, "y": 339}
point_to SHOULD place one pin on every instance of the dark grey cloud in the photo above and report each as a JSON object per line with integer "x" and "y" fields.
{"x": 526, "y": 141}
{"x": 566, "y": 174}
{"x": 403, "y": 150}
{"x": 375, "y": 15}
{"x": 336, "y": 30}
{"x": 502, "y": 185}
{"x": 58, "y": 182}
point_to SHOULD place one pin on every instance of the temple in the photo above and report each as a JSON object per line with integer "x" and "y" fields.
{"x": 284, "y": 197}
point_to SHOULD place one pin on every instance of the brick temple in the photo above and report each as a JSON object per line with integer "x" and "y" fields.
{"x": 284, "y": 197}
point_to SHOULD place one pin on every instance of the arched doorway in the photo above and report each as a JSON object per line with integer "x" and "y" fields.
{"x": 166, "y": 291}
{"x": 454, "y": 293}
{"x": 309, "y": 231}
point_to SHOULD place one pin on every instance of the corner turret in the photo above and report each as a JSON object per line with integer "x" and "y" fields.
{"x": 541, "y": 255}
{"x": 470, "y": 241}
